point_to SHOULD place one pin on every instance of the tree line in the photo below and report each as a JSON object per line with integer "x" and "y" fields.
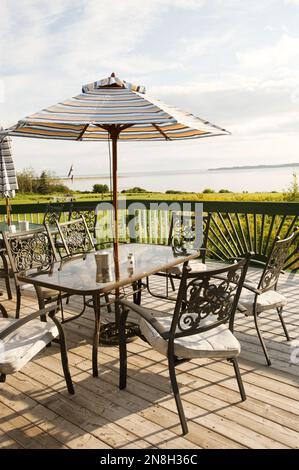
{"x": 45, "y": 183}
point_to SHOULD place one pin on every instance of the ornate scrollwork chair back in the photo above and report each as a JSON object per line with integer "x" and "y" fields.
{"x": 75, "y": 237}
{"x": 207, "y": 300}
{"x": 187, "y": 232}
{"x": 90, "y": 217}
{"x": 76, "y": 240}
{"x": 53, "y": 214}
{"x": 29, "y": 250}
{"x": 276, "y": 261}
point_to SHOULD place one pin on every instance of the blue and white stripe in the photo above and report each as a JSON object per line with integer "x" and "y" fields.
{"x": 8, "y": 179}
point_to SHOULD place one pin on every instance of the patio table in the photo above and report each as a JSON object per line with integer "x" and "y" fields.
{"x": 78, "y": 275}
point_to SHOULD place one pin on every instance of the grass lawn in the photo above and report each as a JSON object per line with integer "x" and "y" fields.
{"x": 77, "y": 196}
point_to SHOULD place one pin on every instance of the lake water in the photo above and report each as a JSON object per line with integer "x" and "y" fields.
{"x": 254, "y": 180}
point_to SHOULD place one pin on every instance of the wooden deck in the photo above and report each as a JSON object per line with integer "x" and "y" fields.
{"x": 37, "y": 412}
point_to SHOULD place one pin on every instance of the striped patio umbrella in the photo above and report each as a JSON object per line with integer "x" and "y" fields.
{"x": 8, "y": 179}
{"x": 115, "y": 109}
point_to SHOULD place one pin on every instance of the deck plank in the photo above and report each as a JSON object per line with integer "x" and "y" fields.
{"x": 37, "y": 412}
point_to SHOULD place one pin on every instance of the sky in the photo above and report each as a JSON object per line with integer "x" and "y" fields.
{"x": 232, "y": 62}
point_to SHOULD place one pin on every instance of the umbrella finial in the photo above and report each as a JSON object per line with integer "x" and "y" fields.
{"x": 113, "y": 74}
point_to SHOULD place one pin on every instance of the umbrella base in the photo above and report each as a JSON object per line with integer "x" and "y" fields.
{"x": 109, "y": 333}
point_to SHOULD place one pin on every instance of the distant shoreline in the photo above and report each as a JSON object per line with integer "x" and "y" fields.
{"x": 255, "y": 167}
{"x": 185, "y": 171}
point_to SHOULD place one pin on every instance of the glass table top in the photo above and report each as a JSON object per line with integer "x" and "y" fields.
{"x": 81, "y": 275}
{"x": 4, "y": 226}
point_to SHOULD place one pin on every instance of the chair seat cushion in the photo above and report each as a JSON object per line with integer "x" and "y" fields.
{"x": 266, "y": 301}
{"x": 23, "y": 344}
{"x": 195, "y": 265}
{"x": 217, "y": 342}
{"x": 107, "y": 317}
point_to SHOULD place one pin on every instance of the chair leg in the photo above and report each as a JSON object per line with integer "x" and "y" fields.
{"x": 238, "y": 377}
{"x": 2, "y": 377}
{"x": 172, "y": 283}
{"x": 262, "y": 340}
{"x": 18, "y": 302}
{"x": 176, "y": 393}
{"x": 63, "y": 353}
{"x": 279, "y": 311}
{"x": 96, "y": 334}
{"x": 137, "y": 294}
{"x": 8, "y": 288}
{"x": 107, "y": 300}
{"x": 41, "y": 302}
{"x": 84, "y": 305}
{"x": 60, "y": 305}
{"x": 122, "y": 350}
{"x": 6, "y": 274}
{"x": 65, "y": 366}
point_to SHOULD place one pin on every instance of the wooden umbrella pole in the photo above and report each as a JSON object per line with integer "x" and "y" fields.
{"x": 114, "y": 137}
{"x": 109, "y": 332}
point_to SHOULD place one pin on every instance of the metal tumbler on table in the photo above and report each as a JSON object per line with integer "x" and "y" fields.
{"x": 103, "y": 262}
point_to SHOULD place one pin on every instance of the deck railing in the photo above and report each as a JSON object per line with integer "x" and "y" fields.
{"x": 236, "y": 227}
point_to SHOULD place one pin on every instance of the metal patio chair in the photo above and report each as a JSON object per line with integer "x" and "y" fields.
{"x": 201, "y": 324}
{"x": 53, "y": 213}
{"x": 51, "y": 216}
{"x": 182, "y": 236}
{"x": 74, "y": 237}
{"x": 263, "y": 296}
{"x": 76, "y": 240}
{"x": 91, "y": 218}
{"x": 30, "y": 250}
{"x": 22, "y": 339}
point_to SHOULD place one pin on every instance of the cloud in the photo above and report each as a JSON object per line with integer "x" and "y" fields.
{"x": 191, "y": 48}
{"x": 1, "y": 91}
{"x": 284, "y": 53}
{"x": 286, "y": 122}
{"x": 188, "y": 4}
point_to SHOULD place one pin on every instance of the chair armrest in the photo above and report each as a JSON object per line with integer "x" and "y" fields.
{"x": 252, "y": 262}
{"x": 22, "y": 321}
{"x": 251, "y": 288}
{"x": 144, "y": 313}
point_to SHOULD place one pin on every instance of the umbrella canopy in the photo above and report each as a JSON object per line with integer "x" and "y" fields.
{"x": 108, "y": 102}
{"x": 8, "y": 179}
{"x": 113, "y": 108}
